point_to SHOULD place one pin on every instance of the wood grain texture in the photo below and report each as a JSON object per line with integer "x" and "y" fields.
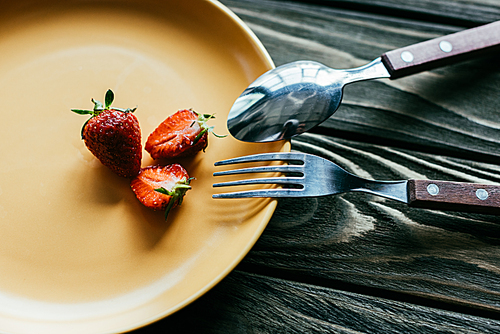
{"x": 366, "y": 240}
{"x": 357, "y": 263}
{"x": 466, "y": 13}
{"x": 451, "y": 110}
{"x": 249, "y": 303}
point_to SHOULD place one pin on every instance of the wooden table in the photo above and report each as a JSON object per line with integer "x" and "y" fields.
{"x": 355, "y": 262}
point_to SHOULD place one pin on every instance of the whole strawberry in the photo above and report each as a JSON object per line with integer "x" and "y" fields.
{"x": 113, "y": 136}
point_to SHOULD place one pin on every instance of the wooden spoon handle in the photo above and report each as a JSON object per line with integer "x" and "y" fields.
{"x": 442, "y": 51}
{"x": 454, "y": 196}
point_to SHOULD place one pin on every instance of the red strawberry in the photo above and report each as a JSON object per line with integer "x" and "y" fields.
{"x": 113, "y": 136}
{"x": 182, "y": 134}
{"x": 161, "y": 187}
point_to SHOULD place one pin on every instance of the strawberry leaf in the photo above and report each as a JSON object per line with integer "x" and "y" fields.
{"x": 219, "y": 136}
{"x": 170, "y": 205}
{"x": 164, "y": 191}
{"x": 83, "y": 112}
{"x": 202, "y": 121}
{"x": 128, "y": 110}
{"x": 108, "y": 99}
{"x": 98, "y": 106}
{"x": 176, "y": 194}
{"x": 198, "y": 137}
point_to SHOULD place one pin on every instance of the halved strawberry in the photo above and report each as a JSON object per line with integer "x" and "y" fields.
{"x": 181, "y": 134}
{"x": 161, "y": 187}
{"x": 113, "y": 135}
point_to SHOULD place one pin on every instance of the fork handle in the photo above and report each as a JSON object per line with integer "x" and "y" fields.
{"x": 442, "y": 51}
{"x": 454, "y": 196}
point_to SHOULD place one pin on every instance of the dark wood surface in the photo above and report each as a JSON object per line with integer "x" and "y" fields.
{"x": 355, "y": 262}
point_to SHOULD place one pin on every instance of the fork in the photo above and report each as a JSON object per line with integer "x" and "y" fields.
{"x": 313, "y": 176}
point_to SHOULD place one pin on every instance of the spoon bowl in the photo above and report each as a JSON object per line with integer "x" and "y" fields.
{"x": 292, "y": 99}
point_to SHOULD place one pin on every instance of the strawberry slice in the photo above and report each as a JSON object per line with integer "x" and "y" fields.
{"x": 113, "y": 136}
{"x": 161, "y": 187}
{"x": 182, "y": 134}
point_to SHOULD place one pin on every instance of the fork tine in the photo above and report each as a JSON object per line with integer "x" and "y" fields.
{"x": 268, "y": 180}
{"x": 275, "y": 193}
{"x": 262, "y": 157}
{"x": 263, "y": 169}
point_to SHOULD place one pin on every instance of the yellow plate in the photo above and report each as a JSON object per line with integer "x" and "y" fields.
{"x": 78, "y": 252}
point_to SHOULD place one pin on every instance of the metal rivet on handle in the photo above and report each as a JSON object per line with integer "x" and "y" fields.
{"x": 433, "y": 189}
{"x": 482, "y": 194}
{"x": 445, "y": 46}
{"x": 407, "y": 56}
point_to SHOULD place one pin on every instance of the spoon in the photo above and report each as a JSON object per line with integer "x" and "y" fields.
{"x": 295, "y": 97}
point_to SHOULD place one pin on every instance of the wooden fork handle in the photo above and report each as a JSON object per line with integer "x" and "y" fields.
{"x": 454, "y": 196}
{"x": 442, "y": 51}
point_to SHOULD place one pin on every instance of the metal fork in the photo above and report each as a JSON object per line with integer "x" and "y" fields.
{"x": 321, "y": 177}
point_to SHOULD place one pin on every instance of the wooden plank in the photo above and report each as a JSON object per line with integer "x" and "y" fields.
{"x": 356, "y": 262}
{"x": 465, "y": 13}
{"x": 245, "y": 303}
{"x": 364, "y": 240}
{"x": 451, "y": 110}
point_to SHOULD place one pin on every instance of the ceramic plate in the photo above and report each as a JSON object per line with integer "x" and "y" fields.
{"x": 78, "y": 252}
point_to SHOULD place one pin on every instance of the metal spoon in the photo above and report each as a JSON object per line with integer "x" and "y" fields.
{"x": 295, "y": 97}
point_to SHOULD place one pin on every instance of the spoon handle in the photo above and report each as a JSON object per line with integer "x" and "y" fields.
{"x": 454, "y": 196}
{"x": 442, "y": 51}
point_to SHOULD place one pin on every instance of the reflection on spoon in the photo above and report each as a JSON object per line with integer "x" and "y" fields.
{"x": 292, "y": 99}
